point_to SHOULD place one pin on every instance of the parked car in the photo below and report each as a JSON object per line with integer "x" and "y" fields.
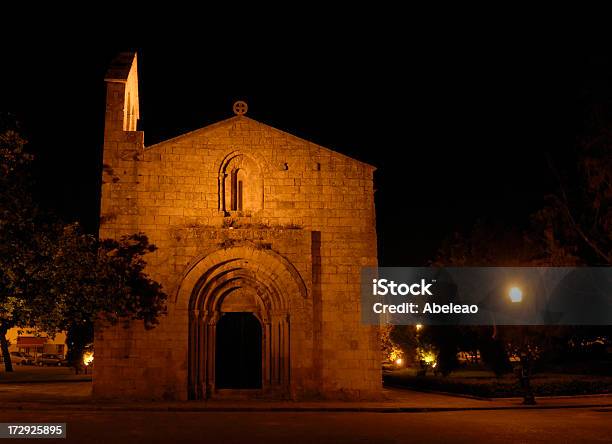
{"x": 51, "y": 359}
{"x": 20, "y": 358}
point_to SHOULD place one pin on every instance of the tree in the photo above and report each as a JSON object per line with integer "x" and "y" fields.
{"x": 486, "y": 244}
{"x": 18, "y": 252}
{"x": 555, "y": 238}
{"x": 54, "y": 277}
{"x": 405, "y": 338}
{"x": 98, "y": 282}
{"x": 575, "y": 225}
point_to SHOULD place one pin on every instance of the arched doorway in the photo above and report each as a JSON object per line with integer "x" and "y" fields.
{"x": 237, "y": 284}
{"x": 238, "y": 358}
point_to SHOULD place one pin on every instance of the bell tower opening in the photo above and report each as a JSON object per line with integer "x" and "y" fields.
{"x": 238, "y": 352}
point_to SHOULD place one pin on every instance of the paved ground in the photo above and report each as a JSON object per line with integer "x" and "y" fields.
{"x": 514, "y": 426}
{"x": 77, "y": 396}
{"x": 404, "y": 416}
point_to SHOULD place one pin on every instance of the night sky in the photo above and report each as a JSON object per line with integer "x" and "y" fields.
{"x": 459, "y": 131}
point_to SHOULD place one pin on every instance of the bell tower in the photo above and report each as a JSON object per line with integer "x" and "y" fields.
{"x": 123, "y": 144}
{"x": 122, "y": 107}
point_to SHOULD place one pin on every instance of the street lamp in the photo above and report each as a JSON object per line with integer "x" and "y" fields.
{"x": 516, "y": 294}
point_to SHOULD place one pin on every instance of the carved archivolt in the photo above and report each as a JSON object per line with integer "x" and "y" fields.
{"x": 240, "y": 279}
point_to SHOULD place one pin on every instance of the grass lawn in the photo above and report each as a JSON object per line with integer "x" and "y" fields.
{"x": 31, "y": 373}
{"x": 484, "y": 383}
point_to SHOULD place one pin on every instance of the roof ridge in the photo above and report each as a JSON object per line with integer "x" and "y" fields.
{"x": 241, "y": 117}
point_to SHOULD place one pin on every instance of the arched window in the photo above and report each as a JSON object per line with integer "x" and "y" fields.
{"x": 240, "y": 185}
{"x": 238, "y": 191}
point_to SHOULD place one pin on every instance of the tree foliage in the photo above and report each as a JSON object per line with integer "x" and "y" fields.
{"x": 53, "y": 276}
{"x": 18, "y": 249}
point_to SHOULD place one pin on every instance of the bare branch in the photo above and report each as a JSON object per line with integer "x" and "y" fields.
{"x": 566, "y": 206}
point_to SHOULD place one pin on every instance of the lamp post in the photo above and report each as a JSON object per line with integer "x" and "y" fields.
{"x": 516, "y": 297}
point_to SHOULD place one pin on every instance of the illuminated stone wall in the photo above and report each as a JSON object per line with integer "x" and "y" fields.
{"x": 296, "y": 219}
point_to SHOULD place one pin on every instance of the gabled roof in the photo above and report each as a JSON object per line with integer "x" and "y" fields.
{"x": 233, "y": 119}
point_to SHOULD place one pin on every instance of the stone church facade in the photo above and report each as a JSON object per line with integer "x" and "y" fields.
{"x": 261, "y": 238}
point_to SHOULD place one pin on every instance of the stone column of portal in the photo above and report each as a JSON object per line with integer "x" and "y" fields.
{"x": 193, "y": 353}
{"x": 280, "y": 352}
{"x": 211, "y": 334}
{"x": 201, "y": 374}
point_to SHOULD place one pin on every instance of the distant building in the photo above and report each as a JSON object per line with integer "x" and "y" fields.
{"x": 34, "y": 343}
{"x": 261, "y": 238}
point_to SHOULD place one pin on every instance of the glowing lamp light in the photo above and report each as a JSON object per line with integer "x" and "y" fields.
{"x": 419, "y": 327}
{"x": 429, "y": 358}
{"x": 399, "y": 361}
{"x": 88, "y": 358}
{"x": 516, "y": 295}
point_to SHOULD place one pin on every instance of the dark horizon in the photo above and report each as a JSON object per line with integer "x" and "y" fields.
{"x": 455, "y": 137}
